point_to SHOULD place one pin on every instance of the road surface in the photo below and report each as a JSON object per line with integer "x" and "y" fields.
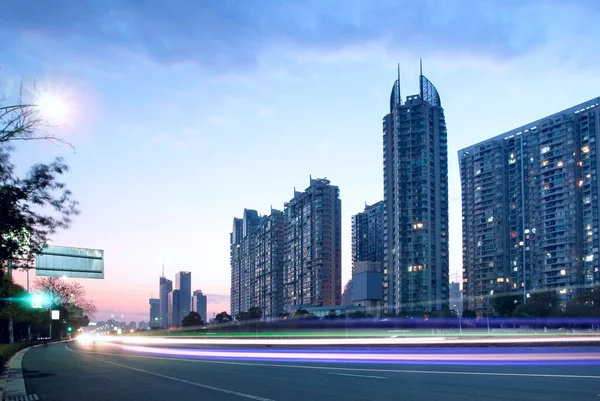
{"x": 72, "y": 371}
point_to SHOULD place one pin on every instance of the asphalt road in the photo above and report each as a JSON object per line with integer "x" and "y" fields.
{"x": 63, "y": 372}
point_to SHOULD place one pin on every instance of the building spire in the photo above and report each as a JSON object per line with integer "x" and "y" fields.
{"x": 163, "y": 270}
{"x": 421, "y": 65}
{"x": 399, "y": 93}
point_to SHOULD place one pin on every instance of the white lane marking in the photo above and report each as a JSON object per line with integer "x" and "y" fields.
{"x": 206, "y": 386}
{"x": 440, "y": 372}
{"x": 350, "y": 374}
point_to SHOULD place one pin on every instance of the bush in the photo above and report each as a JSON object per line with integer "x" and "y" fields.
{"x": 7, "y": 351}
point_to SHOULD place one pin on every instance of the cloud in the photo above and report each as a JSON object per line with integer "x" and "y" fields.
{"x": 213, "y": 299}
{"x": 228, "y": 36}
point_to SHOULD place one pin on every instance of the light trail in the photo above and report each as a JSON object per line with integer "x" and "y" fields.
{"x": 342, "y": 341}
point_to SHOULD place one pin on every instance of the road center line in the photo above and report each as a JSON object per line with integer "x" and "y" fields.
{"x": 350, "y": 374}
{"x": 279, "y": 365}
{"x": 206, "y": 386}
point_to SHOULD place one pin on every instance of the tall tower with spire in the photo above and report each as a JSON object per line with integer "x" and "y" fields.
{"x": 415, "y": 174}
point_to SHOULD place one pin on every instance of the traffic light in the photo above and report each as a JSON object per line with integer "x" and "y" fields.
{"x": 69, "y": 329}
{"x": 39, "y": 301}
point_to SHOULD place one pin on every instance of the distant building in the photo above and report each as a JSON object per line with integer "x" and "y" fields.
{"x": 456, "y": 298}
{"x": 257, "y": 263}
{"x": 415, "y": 175}
{"x": 174, "y": 309}
{"x": 367, "y": 234}
{"x": 143, "y": 325}
{"x": 313, "y": 247}
{"x": 183, "y": 283}
{"x": 154, "y": 312}
{"x": 367, "y": 287}
{"x": 199, "y": 304}
{"x": 132, "y": 325}
{"x": 166, "y": 286}
{"x": 530, "y": 200}
{"x": 347, "y": 294}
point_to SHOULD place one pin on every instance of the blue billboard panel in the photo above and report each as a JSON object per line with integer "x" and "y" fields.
{"x": 62, "y": 261}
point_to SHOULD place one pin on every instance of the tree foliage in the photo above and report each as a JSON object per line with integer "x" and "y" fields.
{"x": 223, "y": 317}
{"x": 469, "y": 314}
{"x": 192, "y": 319}
{"x": 505, "y": 304}
{"x": 254, "y": 313}
{"x": 31, "y": 209}
{"x": 66, "y": 294}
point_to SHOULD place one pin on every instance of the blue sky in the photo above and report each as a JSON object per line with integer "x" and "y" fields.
{"x": 184, "y": 114}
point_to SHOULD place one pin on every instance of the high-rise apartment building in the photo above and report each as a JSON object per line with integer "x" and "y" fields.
{"x": 347, "y": 294}
{"x": 367, "y": 234}
{"x": 312, "y": 261}
{"x": 183, "y": 283}
{"x": 154, "y": 312}
{"x": 415, "y": 174}
{"x": 257, "y": 263}
{"x": 199, "y": 304}
{"x": 166, "y": 286}
{"x": 268, "y": 248}
{"x": 530, "y": 208}
{"x": 235, "y": 262}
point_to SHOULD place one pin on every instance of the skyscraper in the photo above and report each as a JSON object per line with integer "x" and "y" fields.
{"x": 235, "y": 261}
{"x": 415, "y": 174}
{"x": 199, "y": 304}
{"x": 347, "y": 294}
{"x": 312, "y": 261}
{"x": 530, "y": 208}
{"x": 154, "y": 312}
{"x": 174, "y": 309}
{"x": 257, "y": 263}
{"x": 183, "y": 283}
{"x": 166, "y": 286}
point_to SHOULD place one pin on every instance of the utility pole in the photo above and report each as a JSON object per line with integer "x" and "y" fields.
{"x": 11, "y": 339}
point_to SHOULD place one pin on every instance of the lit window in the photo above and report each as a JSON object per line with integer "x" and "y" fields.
{"x": 559, "y": 164}
{"x": 418, "y": 226}
{"x": 563, "y": 291}
{"x": 410, "y": 268}
{"x": 490, "y": 219}
{"x": 546, "y": 186}
{"x": 580, "y": 183}
{"x": 563, "y": 272}
{"x": 589, "y": 258}
{"x": 513, "y": 234}
{"x": 585, "y": 149}
{"x": 545, "y": 149}
{"x": 500, "y": 279}
{"x": 545, "y": 163}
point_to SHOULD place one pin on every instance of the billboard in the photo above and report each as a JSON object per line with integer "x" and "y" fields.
{"x": 69, "y": 262}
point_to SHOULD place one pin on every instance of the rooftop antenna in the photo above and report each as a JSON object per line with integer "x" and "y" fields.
{"x": 399, "y": 94}
{"x": 163, "y": 270}
{"x": 421, "y": 65}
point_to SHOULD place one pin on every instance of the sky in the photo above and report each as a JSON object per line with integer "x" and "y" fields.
{"x": 183, "y": 114}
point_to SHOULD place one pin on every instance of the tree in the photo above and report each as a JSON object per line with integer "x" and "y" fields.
{"x": 469, "y": 314}
{"x": 23, "y": 121}
{"x": 192, "y": 319}
{"x": 505, "y": 304}
{"x": 63, "y": 294}
{"x": 254, "y": 313}
{"x": 543, "y": 303}
{"x": 223, "y": 317}
{"x": 25, "y": 227}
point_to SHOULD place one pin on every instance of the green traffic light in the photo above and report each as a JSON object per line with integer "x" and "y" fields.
{"x": 39, "y": 301}
{"x": 69, "y": 328}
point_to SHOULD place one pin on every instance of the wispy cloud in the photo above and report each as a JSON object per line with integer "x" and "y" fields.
{"x": 228, "y": 35}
